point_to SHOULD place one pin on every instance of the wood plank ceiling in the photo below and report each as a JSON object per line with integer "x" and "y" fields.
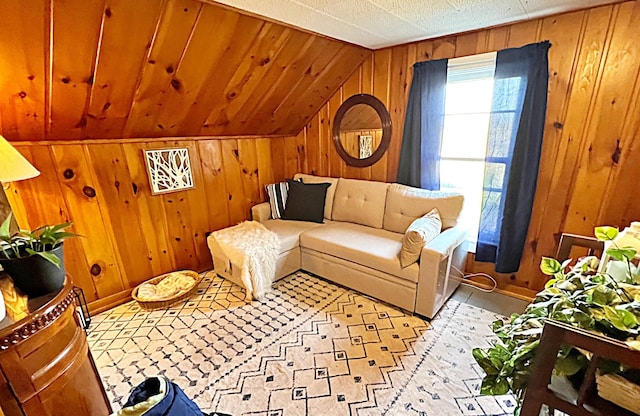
{"x": 99, "y": 69}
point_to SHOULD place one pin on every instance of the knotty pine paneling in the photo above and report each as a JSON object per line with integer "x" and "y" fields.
{"x": 110, "y": 69}
{"x": 130, "y": 235}
{"x": 591, "y": 146}
{"x": 23, "y": 47}
{"x": 75, "y": 33}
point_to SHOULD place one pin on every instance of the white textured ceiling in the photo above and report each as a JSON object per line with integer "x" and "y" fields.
{"x": 379, "y": 23}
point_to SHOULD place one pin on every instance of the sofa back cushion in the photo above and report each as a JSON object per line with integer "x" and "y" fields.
{"x": 405, "y": 204}
{"x": 331, "y": 191}
{"x": 360, "y": 202}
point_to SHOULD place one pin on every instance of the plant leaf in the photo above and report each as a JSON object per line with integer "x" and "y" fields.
{"x": 497, "y": 325}
{"x": 566, "y": 285}
{"x": 618, "y": 318}
{"x": 46, "y": 255}
{"x": 550, "y": 266}
{"x": 628, "y": 319}
{"x": 494, "y": 386}
{"x": 478, "y": 354}
{"x": 605, "y": 233}
{"x": 569, "y": 365}
{"x": 602, "y": 295}
{"x": 59, "y": 227}
{"x": 633, "y": 307}
{"x": 524, "y": 351}
{"x": 484, "y": 361}
{"x": 6, "y": 224}
{"x": 61, "y": 235}
{"x": 622, "y": 254}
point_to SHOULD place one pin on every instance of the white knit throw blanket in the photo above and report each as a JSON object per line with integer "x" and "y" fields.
{"x": 255, "y": 248}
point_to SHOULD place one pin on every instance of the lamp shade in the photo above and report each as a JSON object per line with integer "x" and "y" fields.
{"x": 13, "y": 166}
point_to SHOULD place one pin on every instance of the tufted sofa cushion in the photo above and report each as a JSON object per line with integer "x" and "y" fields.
{"x": 360, "y": 202}
{"x": 367, "y": 246}
{"x": 289, "y": 232}
{"x": 405, "y": 204}
{"x": 331, "y": 191}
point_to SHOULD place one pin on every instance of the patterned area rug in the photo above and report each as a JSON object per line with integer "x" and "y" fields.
{"x": 312, "y": 348}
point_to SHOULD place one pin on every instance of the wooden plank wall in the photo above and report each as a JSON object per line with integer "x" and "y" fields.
{"x": 129, "y": 234}
{"x": 85, "y": 87}
{"x": 589, "y": 167}
{"x": 77, "y": 69}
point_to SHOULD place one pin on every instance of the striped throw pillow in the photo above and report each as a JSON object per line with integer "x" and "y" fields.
{"x": 277, "y": 198}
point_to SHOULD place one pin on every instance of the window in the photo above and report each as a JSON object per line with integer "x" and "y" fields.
{"x": 468, "y": 103}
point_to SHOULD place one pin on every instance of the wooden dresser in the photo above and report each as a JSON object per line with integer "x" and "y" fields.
{"x": 45, "y": 364}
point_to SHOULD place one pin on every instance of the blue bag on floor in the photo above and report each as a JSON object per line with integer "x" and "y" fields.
{"x": 158, "y": 396}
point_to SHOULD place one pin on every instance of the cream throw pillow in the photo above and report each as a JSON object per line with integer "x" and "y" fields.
{"x": 419, "y": 233}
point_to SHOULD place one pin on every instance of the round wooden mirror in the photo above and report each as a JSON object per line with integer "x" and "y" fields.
{"x": 361, "y": 130}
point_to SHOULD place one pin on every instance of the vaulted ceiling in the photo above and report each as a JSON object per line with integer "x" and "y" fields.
{"x": 78, "y": 69}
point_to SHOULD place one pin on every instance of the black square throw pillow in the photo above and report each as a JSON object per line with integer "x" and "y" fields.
{"x": 305, "y": 201}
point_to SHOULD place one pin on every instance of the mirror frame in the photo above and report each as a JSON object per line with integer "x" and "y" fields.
{"x": 385, "y": 118}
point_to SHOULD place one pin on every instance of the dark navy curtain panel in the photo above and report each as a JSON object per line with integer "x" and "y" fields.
{"x": 516, "y": 128}
{"x": 424, "y": 123}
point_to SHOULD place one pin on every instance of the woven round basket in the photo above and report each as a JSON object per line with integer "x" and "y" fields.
{"x": 164, "y": 303}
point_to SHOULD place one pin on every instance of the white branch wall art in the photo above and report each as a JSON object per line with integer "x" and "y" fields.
{"x": 169, "y": 170}
{"x": 366, "y": 146}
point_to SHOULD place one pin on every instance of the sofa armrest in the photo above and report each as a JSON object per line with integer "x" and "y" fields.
{"x": 435, "y": 284}
{"x": 444, "y": 243}
{"x": 439, "y": 249}
{"x": 261, "y": 212}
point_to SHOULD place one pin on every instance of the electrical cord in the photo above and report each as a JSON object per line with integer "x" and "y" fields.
{"x": 467, "y": 276}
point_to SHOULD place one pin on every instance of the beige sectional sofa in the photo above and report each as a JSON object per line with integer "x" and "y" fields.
{"x": 359, "y": 243}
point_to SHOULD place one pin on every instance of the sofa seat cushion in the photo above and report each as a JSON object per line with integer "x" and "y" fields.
{"x": 370, "y": 247}
{"x": 360, "y": 202}
{"x": 289, "y": 232}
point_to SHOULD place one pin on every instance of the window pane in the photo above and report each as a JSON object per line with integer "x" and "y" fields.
{"x": 490, "y": 217}
{"x": 465, "y": 177}
{"x": 512, "y": 93}
{"x": 461, "y": 174}
{"x": 472, "y": 96}
{"x": 465, "y": 135}
{"x": 494, "y": 175}
{"x": 501, "y": 131}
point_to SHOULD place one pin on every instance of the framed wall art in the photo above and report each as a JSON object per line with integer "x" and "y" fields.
{"x": 366, "y": 146}
{"x": 169, "y": 170}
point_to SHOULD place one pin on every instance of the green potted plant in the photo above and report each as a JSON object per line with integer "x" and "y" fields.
{"x": 581, "y": 297}
{"x": 34, "y": 259}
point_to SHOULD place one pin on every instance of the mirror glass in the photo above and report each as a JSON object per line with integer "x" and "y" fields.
{"x": 361, "y": 130}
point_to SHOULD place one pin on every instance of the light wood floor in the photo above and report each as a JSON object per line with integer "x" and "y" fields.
{"x": 494, "y": 302}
